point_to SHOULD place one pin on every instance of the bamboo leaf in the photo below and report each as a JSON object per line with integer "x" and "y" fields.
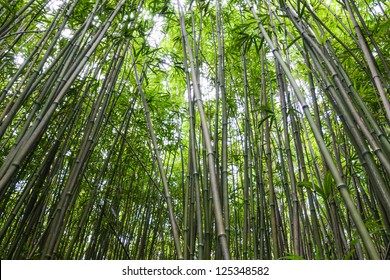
{"x": 293, "y": 42}
{"x": 328, "y": 184}
{"x": 310, "y": 185}
{"x": 264, "y": 119}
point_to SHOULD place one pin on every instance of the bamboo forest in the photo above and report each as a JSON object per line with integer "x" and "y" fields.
{"x": 195, "y": 129}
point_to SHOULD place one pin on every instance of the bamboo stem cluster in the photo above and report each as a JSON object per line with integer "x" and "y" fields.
{"x": 248, "y": 131}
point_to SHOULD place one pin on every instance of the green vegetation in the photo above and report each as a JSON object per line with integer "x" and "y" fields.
{"x": 194, "y": 129}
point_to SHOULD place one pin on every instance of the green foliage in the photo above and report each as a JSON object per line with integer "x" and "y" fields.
{"x": 93, "y": 158}
{"x": 327, "y": 186}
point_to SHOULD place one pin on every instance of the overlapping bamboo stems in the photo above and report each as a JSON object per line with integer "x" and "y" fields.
{"x": 44, "y": 170}
{"x": 265, "y": 250}
{"x": 80, "y": 231}
{"x": 26, "y": 144}
{"x": 255, "y": 184}
{"x": 254, "y": 221}
{"x": 293, "y": 202}
{"x": 333, "y": 246}
{"x": 341, "y": 111}
{"x": 351, "y": 116}
{"x": 362, "y": 149}
{"x": 221, "y": 234}
{"x": 363, "y": 116}
{"x": 224, "y": 141}
{"x": 23, "y": 21}
{"x": 333, "y": 208}
{"x": 342, "y": 74}
{"x": 174, "y": 226}
{"x": 371, "y": 38}
{"x": 41, "y": 188}
{"x": 6, "y": 26}
{"x": 116, "y": 223}
{"x": 197, "y": 193}
{"x": 358, "y": 41}
{"x": 247, "y": 170}
{"x": 192, "y": 197}
{"x": 378, "y": 79}
{"x": 372, "y": 253}
{"x": 339, "y": 21}
{"x": 14, "y": 107}
{"x": 366, "y": 115}
{"x": 81, "y": 228}
{"x": 29, "y": 60}
{"x": 87, "y": 145}
{"x": 305, "y": 178}
{"x": 104, "y": 248}
{"x": 52, "y": 153}
{"x": 377, "y": 131}
{"x": 253, "y": 177}
{"x": 268, "y": 150}
{"x": 36, "y": 78}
